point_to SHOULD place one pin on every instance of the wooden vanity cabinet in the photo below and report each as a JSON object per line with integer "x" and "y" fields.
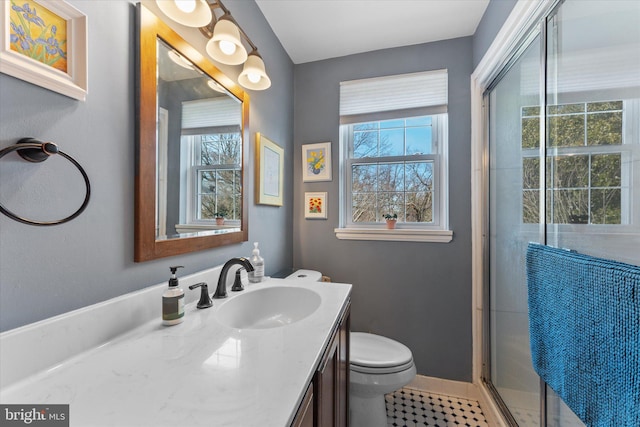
{"x": 305, "y": 416}
{"x": 326, "y": 402}
{"x": 344, "y": 330}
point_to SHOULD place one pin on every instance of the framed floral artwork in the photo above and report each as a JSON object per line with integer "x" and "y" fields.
{"x": 269, "y": 171}
{"x": 316, "y": 162}
{"x": 44, "y": 42}
{"x": 315, "y": 205}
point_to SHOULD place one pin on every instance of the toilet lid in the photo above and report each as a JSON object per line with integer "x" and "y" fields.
{"x": 377, "y": 352}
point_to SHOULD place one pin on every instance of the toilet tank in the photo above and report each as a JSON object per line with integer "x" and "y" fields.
{"x": 306, "y": 275}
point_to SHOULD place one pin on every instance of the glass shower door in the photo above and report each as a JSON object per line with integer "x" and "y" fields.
{"x": 564, "y": 170}
{"x": 593, "y": 138}
{"x": 514, "y": 123}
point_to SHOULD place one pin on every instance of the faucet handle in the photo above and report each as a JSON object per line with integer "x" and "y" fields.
{"x": 205, "y": 300}
{"x": 237, "y": 284}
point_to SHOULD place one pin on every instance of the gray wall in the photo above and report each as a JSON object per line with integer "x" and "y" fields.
{"x": 45, "y": 271}
{"x": 495, "y": 15}
{"x": 417, "y": 293}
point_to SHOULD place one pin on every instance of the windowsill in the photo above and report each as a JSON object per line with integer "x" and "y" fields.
{"x": 395, "y": 235}
{"x": 194, "y": 228}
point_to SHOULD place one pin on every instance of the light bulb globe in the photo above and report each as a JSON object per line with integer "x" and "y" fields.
{"x": 187, "y": 6}
{"x": 192, "y": 13}
{"x": 254, "y": 75}
{"x": 227, "y": 47}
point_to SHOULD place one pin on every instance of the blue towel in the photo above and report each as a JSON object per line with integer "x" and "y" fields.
{"x": 584, "y": 325}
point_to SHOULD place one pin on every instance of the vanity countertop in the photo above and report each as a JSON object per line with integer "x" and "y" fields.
{"x": 197, "y": 373}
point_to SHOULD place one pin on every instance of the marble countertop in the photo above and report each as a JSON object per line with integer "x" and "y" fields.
{"x": 197, "y": 373}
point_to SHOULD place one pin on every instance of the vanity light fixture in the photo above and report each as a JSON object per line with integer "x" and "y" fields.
{"x": 225, "y": 45}
{"x": 253, "y": 75}
{"x": 192, "y": 13}
{"x": 227, "y": 40}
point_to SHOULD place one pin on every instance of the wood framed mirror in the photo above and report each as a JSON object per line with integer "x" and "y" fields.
{"x": 191, "y": 151}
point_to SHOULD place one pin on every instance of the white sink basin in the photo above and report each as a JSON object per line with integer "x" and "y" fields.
{"x": 268, "y": 307}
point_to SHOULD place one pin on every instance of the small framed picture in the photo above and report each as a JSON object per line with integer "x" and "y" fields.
{"x": 44, "y": 42}
{"x": 269, "y": 171}
{"x": 316, "y": 162}
{"x": 315, "y": 205}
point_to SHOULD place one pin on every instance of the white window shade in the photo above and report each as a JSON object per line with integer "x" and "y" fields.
{"x": 402, "y": 95}
{"x": 211, "y": 113}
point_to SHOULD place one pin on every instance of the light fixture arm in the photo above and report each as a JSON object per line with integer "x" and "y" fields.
{"x": 207, "y": 30}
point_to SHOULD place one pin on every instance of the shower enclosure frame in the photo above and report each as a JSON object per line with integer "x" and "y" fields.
{"x": 526, "y": 22}
{"x": 527, "y": 28}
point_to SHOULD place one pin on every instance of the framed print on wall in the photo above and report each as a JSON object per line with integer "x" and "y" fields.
{"x": 316, "y": 162}
{"x": 44, "y": 42}
{"x": 315, "y": 205}
{"x": 269, "y": 171}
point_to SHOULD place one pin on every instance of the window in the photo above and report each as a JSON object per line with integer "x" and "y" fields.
{"x": 393, "y": 169}
{"x": 393, "y": 142}
{"x": 216, "y": 176}
{"x": 588, "y": 170}
{"x": 211, "y": 159}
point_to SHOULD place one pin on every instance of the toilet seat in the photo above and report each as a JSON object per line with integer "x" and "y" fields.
{"x": 375, "y": 354}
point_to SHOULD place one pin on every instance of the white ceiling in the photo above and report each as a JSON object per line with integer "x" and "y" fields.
{"x": 312, "y": 30}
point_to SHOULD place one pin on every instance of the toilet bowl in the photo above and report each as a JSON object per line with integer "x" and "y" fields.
{"x": 378, "y": 365}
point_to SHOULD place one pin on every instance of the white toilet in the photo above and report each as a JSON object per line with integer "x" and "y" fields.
{"x": 379, "y": 365}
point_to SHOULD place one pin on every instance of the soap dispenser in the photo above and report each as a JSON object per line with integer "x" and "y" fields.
{"x": 173, "y": 300}
{"x": 257, "y": 261}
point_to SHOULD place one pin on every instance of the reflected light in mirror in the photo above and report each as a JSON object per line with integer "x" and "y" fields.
{"x": 216, "y": 86}
{"x": 179, "y": 60}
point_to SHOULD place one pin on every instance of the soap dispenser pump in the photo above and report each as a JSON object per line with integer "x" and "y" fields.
{"x": 173, "y": 300}
{"x": 257, "y": 275}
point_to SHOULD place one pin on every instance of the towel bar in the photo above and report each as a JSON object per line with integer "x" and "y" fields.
{"x": 36, "y": 151}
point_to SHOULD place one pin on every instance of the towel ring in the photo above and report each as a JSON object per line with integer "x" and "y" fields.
{"x": 36, "y": 151}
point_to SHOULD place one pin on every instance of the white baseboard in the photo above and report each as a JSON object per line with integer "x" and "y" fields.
{"x": 463, "y": 390}
{"x": 442, "y": 386}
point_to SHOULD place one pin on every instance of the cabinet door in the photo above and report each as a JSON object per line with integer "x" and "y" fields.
{"x": 342, "y": 386}
{"x": 305, "y": 415}
{"x": 325, "y": 386}
{"x": 332, "y": 379}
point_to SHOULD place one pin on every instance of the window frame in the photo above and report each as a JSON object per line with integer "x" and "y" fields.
{"x": 191, "y": 169}
{"x": 435, "y": 231}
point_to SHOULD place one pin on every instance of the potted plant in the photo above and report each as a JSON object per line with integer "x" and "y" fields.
{"x": 391, "y": 220}
{"x": 219, "y": 217}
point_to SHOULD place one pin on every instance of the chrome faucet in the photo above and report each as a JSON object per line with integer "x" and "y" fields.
{"x": 221, "y": 289}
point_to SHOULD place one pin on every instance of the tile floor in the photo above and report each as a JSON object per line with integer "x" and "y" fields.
{"x": 412, "y": 408}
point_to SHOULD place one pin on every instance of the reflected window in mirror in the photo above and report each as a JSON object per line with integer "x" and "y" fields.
{"x": 211, "y": 160}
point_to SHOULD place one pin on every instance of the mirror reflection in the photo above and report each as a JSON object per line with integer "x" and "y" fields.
{"x": 199, "y": 150}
